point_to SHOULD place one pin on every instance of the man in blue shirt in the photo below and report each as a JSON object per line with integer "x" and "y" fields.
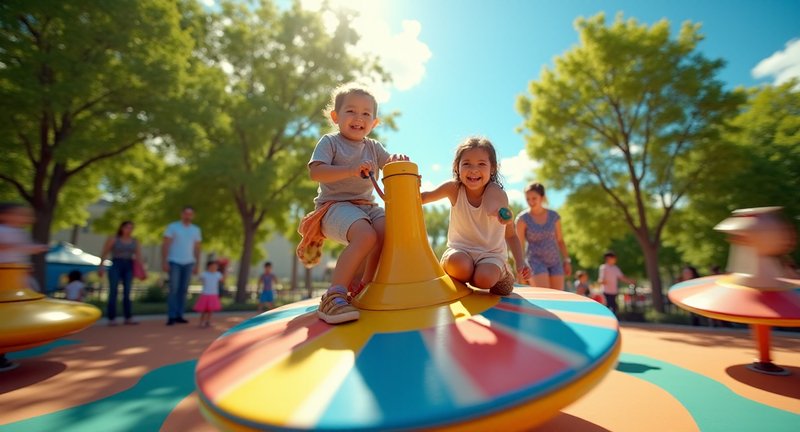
{"x": 180, "y": 255}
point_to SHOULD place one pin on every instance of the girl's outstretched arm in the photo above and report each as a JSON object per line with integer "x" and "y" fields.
{"x": 448, "y": 189}
{"x": 562, "y": 246}
{"x": 513, "y": 242}
{"x": 495, "y": 198}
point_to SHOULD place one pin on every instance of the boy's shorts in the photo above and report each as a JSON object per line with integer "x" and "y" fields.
{"x": 267, "y": 296}
{"x": 341, "y": 216}
{"x": 479, "y": 258}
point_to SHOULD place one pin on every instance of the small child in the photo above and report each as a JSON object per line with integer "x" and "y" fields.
{"x": 479, "y": 236}
{"x": 582, "y": 283}
{"x": 608, "y": 276}
{"x": 74, "y": 289}
{"x": 345, "y": 208}
{"x": 265, "y": 281}
{"x": 209, "y": 298}
{"x": 16, "y": 245}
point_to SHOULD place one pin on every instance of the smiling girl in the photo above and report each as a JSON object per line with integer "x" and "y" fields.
{"x": 478, "y": 237}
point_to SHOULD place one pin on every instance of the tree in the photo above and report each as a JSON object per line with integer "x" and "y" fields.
{"x": 267, "y": 75}
{"x": 762, "y": 169}
{"x": 437, "y": 221}
{"x": 81, "y": 83}
{"x": 635, "y": 113}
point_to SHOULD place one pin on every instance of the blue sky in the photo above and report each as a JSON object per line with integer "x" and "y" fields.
{"x": 459, "y": 65}
{"x": 482, "y": 54}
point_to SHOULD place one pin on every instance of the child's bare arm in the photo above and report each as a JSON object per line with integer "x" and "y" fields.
{"x": 448, "y": 189}
{"x": 495, "y": 198}
{"x": 562, "y": 246}
{"x": 28, "y": 248}
{"x": 324, "y": 173}
{"x": 513, "y": 242}
{"x": 521, "y": 228}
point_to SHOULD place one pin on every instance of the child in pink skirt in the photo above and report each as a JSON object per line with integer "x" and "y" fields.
{"x": 209, "y": 298}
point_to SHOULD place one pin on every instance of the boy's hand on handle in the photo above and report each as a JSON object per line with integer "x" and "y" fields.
{"x": 398, "y": 157}
{"x": 363, "y": 169}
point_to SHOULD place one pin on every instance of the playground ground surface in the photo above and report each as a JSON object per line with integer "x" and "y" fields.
{"x": 141, "y": 378}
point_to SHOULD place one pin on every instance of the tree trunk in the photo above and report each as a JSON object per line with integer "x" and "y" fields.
{"x": 244, "y": 262}
{"x": 650, "y": 250}
{"x": 41, "y": 234}
{"x": 73, "y": 237}
{"x": 309, "y": 287}
{"x": 293, "y": 278}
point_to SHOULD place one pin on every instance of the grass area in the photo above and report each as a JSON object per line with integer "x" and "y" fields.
{"x": 160, "y": 308}
{"x": 153, "y": 301}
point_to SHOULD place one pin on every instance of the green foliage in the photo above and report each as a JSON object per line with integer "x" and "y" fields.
{"x": 136, "y": 189}
{"x": 763, "y": 170}
{"x": 81, "y": 83}
{"x": 590, "y": 224}
{"x": 155, "y": 293}
{"x": 636, "y": 117}
{"x": 437, "y": 222}
{"x": 252, "y": 114}
{"x": 677, "y": 317}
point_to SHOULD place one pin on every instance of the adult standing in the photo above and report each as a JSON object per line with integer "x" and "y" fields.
{"x": 124, "y": 248}
{"x": 540, "y": 228}
{"x": 180, "y": 254}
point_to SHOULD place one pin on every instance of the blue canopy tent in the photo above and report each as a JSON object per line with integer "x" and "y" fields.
{"x": 64, "y": 258}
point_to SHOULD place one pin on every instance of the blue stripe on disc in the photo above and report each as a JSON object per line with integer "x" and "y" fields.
{"x": 593, "y": 342}
{"x": 584, "y": 307}
{"x": 393, "y": 376}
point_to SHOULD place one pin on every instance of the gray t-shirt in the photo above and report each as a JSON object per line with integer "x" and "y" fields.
{"x": 336, "y": 150}
{"x": 14, "y": 238}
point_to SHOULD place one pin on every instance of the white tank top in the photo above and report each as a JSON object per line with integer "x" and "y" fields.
{"x": 472, "y": 229}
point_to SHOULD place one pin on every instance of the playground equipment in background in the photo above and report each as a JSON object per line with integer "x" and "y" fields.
{"x": 29, "y": 319}
{"x": 63, "y": 258}
{"x": 428, "y": 352}
{"x": 758, "y": 291}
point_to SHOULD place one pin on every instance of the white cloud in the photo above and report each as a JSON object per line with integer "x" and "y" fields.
{"x": 436, "y": 167}
{"x": 402, "y": 54}
{"x": 517, "y": 169}
{"x": 782, "y": 65}
{"x": 208, "y": 3}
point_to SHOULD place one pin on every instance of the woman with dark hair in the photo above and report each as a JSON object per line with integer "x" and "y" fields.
{"x": 124, "y": 249}
{"x": 540, "y": 229}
